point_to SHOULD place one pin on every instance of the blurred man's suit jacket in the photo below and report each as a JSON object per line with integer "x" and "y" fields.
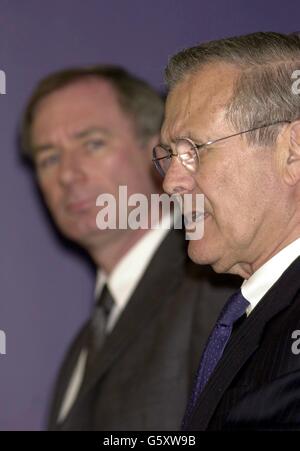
{"x": 256, "y": 385}
{"x": 148, "y": 362}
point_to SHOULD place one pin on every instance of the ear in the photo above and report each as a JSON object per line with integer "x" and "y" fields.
{"x": 149, "y": 146}
{"x": 152, "y": 142}
{"x": 292, "y": 155}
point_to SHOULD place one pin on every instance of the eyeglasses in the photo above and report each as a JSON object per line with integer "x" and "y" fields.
{"x": 188, "y": 152}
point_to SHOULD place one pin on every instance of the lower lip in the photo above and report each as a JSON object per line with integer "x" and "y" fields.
{"x": 192, "y": 224}
{"x": 197, "y": 217}
{"x": 80, "y": 207}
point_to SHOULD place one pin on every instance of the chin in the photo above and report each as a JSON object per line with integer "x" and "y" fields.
{"x": 197, "y": 255}
{"x": 204, "y": 254}
{"x": 78, "y": 233}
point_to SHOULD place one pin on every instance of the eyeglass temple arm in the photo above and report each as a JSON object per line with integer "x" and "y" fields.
{"x": 199, "y": 146}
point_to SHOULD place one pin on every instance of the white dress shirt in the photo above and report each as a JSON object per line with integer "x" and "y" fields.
{"x": 121, "y": 282}
{"x": 254, "y": 288}
{"x": 129, "y": 271}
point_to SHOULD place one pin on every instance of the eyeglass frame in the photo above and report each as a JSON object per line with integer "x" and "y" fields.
{"x": 197, "y": 147}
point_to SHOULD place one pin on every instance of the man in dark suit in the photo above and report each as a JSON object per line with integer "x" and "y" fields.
{"x": 90, "y": 131}
{"x": 232, "y": 133}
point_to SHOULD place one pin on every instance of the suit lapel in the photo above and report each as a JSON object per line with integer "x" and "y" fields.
{"x": 244, "y": 343}
{"x": 159, "y": 282}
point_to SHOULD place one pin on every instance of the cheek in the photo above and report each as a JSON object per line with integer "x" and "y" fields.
{"x": 131, "y": 172}
{"x": 226, "y": 201}
{"x": 53, "y": 198}
{"x": 238, "y": 215}
{"x": 49, "y": 193}
{"x": 100, "y": 173}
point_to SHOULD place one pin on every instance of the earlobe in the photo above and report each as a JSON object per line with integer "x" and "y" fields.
{"x": 150, "y": 144}
{"x": 293, "y": 157}
{"x": 295, "y": 137}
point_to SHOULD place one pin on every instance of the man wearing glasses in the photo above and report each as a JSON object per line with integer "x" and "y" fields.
{"x": 232, "y": 133}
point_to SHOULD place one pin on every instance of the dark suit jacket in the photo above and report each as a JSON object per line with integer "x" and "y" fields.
{"x": 256, "y": 384}
{"x": 147, "y": 364}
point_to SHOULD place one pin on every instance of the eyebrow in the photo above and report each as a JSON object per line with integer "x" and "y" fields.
{"x": 78, "y": 135}
{"x": 90, "y": 131}
{"x": 192, "y": 137}
{"x": 189, "y": 135}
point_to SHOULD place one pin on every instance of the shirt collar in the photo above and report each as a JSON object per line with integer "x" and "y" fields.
{"x": 129, "y": 270}
{"x": 254, "y": 288}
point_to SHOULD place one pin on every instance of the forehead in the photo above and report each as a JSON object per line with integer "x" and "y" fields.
{"x": 84, "y": 103}
{"x": 199, "y": 101}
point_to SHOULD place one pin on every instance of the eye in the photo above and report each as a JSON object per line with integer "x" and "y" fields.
{"x": 94, "y": 144}
{"x": 47, "y": 161}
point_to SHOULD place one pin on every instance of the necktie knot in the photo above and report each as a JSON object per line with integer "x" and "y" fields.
{"x": 99, "y": 319}
{"x": 234, "y": 308}
{"x": 97, "y": 331}
{"x": 105, "y": 301}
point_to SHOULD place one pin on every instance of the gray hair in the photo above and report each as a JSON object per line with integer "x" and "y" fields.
{"x": 262, "y": 93}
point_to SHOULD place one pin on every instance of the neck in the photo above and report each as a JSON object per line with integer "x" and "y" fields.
{"x": 281, "y": 245}
{"x": 245, "y": 270}
{"x": 107, "y": 255}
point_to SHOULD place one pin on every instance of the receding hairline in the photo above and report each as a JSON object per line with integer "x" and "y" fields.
{"x": 141, "y": 102}
{"x": 85, "y": 80}
{"x": 258, "y": 47}
{"x": 230, "y": 74}
{"x": 89, "y": 79}
{"x": 218, "y": 65}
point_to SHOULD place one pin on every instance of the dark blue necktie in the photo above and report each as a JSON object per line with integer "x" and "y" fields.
{"x": 234, "y": 308}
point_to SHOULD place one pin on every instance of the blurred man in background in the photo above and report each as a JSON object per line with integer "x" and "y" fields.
{"x": 89, "y": 131}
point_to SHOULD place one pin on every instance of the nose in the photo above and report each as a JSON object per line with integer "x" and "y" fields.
{"x": 178, "y": 180}
{"x": 70, "y": 169}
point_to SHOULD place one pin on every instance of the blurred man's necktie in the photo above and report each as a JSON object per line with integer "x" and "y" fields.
{"x": 98, "y": 329}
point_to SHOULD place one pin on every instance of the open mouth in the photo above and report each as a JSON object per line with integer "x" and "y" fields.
{"x": 197, "y": 216}
{"x": 194, "y": 218}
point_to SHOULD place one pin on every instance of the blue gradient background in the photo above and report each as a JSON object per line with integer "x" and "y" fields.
{"x": 46, "y": 288}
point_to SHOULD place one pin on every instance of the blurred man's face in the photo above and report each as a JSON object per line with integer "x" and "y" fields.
{"x": 86, "y": 146}
{"x": 243, "y": 193}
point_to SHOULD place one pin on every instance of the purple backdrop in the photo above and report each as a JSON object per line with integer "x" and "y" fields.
{"x": 46, "y": 289}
